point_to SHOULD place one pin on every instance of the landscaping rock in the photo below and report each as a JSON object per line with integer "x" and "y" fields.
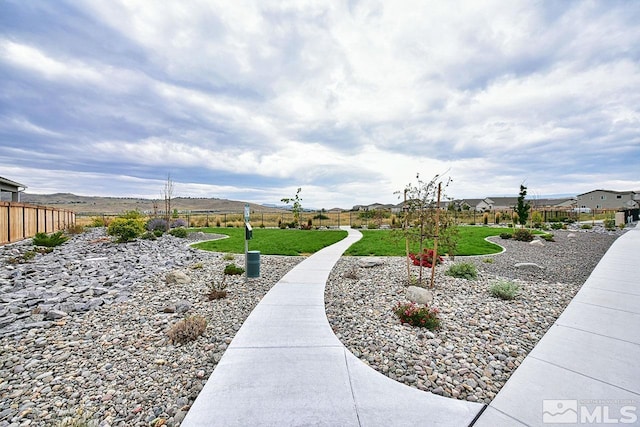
{"x": 177, "y": 277}
{"x": 419, "y": 295}
{"x": 368, "y": 262}
{"x": 527, "y": 265}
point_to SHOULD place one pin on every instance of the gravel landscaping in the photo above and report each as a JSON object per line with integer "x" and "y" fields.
{"x": 482, "y": 339}
{"x": 83, "y": 330}
{"x": 107, "y": 360}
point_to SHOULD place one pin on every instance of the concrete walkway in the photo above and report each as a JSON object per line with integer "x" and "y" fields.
{"x": 285, "y": 367}
{"x": 586, "y": 368}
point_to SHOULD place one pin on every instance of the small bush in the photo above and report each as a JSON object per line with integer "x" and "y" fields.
{"x": 505, "y": 290}
{"x": 487, "y": 260}
{"x": 148, "y": 235}
{"x": 179, "y": 232}
{"x": 50, "y": 241}
{"x": 178, "y": 223}
{"x": 548, "y": 237}
{"x": 228, "y": 257}
{"x": 621, "y": 226}
{"x": 187, "y": 329}
{"x": 506, "y": 236}
{"x": 157, "y": 224}
{"x": 158, "y": 233}
{"x": 125, "y": 229}
{"x": 463, "y": 270}
{"x": 217, "y": 289}
{"x": 25, "y": 257}
{"x": 426, "y": 259}
{"x": 610, "y": 224}
{"x": 74, "y": 229}
{"x": 522, "y": 235}
{"x": 415, "y": 315}
{"x": 586, "y": 226}
{"x": 134, "y": 214}
{"x": 233, "y": 270}
{"x": 556, "y": 225}
{"x": 98, "y": 222}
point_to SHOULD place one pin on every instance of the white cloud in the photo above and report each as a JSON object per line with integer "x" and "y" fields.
{"x": 348, "y": 100}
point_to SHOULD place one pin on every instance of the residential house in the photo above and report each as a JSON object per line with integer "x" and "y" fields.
{"x": 8, "y": 186}
{"x": 609, "y": 200}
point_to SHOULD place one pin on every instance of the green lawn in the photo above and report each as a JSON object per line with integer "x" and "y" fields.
{"x": 272, "y": 241}
{"x": 374, "y": 242}
{"x": 383, "y": 243}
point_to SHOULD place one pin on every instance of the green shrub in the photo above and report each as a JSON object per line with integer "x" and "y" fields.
{"x": 522, "y": 235}
{"x": 50, "y": 241}
{"x": 233, "y": 270}
{"x": 187, "y": 329}
{"x": 622, "y": 226}
{"x": 586, "y": 226}
{"x": 98, "y": 222}
{"x": 487, "y": 260}
{"x": 228, "y": 257}
{"x": 134, "y": 214}
{"x": 158, "y": 233}
{"x": 125, "y": 229}
{"x": 506, "y": 236}
{"x": 179, "y": 232}
{"x": 610, "y": 224}
{"x": 415, "y": 315}
{"x": 505, "y": 290}
{"x": 556, "y": 225}
{"x": 463, "y": 270}
{"x": 149, "y": 236}
{"x": 548, "y": 237}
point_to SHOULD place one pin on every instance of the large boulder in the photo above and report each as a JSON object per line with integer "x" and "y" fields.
{"x": 419, "y": 295}
{"x": 177, "y": 277}
{"x": 530, "y": 266}
{"x": 368, "y": 262}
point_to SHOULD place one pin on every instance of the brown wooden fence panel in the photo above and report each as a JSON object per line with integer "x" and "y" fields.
{"x": 30, "y": 221}
{"x": 4, "y": 224}
{"x": 20, "y": 221}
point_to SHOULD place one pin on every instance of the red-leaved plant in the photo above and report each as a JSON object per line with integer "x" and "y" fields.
{"x": 416, "y": 315}
{"x": 426, "y": 258}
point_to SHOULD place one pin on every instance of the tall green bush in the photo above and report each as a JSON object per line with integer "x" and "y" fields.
{"x": 126, "y": 229}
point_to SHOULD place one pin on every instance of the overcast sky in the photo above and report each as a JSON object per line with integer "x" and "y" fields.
{"x": 348, "y": 100}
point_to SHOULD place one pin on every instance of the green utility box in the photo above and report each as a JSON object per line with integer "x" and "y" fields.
{"x": 253, "y": 264}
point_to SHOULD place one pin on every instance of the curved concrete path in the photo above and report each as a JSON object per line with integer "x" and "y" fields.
{"x": 586, "y": 368}
{"x": 285, "y": 367}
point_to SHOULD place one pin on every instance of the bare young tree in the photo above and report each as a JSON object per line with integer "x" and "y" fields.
{"x": 167, "y": 193}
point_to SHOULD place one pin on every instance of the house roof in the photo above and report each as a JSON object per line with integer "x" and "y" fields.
{"x": 9, "y": 185}
{"x": 609, "y": 191}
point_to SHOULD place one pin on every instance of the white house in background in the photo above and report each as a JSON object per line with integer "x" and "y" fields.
{"x": 608, "y": 199}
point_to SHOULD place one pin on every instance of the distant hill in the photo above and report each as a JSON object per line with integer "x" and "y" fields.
{"x": 116, "y": 205}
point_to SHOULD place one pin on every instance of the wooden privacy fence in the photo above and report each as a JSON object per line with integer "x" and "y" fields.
{"x": 20, "y": 221}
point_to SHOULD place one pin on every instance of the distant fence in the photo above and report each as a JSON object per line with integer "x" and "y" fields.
{"x": 20, "y": 221}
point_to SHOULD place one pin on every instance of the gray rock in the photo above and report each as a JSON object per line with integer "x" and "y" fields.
{"x": 528, "y": 266}
{"x": 177, "y": 277}
{"x": 55, "y": 315}
{"x": 183, "y": 306}
{"x": 419, "y": 295}
{"x": 536, "y": 242}
{"x": 368, "y": 262}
